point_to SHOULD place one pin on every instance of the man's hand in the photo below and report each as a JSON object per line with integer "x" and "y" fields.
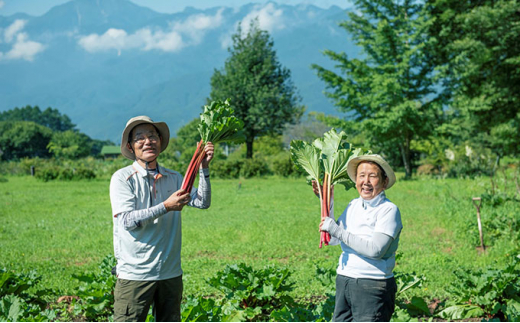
{"x": 210, "y": 150}
{"x": 177, "y": 201}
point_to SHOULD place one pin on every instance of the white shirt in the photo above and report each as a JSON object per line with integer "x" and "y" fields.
{"x": 363, "y": 218}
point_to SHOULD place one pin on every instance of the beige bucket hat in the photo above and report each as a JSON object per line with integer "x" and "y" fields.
{"x": 162, "y": 128}
{"x": 352, "y": 166}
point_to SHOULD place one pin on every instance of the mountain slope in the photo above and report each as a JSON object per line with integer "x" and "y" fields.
{"x": 102, "y": 62}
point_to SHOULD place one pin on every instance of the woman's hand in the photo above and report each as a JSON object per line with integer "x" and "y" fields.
{"x": 210, "y": 150}
{"x": 315, "y": 188}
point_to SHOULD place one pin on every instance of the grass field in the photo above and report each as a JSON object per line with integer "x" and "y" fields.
{"x": 65, "y": 228}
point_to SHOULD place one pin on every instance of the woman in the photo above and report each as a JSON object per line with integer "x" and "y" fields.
{"x": 368, "y": 231}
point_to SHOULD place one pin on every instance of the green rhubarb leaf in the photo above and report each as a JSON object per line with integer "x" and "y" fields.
{"x": 219, "y": 124}
{"x": 307, "y": 157}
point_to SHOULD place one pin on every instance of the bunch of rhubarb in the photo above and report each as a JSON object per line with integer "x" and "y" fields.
{"x": 325, "y": 160}
{"x": 217, "y": 124}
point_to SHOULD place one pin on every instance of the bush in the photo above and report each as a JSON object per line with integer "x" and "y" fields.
{"x": 84, "y": 173}
{"x": 282, "y": 166}
{"x": 226, "y": 168}
{"x": 48, "y": 173}
{"x": 254, "y": 167}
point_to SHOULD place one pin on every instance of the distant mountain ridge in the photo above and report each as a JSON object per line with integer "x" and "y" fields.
{"x": 102, "y": 62}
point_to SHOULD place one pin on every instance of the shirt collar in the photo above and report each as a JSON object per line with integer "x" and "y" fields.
{"x": 375, "y": 201}
{"x": 142, "y": 171}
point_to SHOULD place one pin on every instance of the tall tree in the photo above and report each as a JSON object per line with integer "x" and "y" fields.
{"x": 259, "y": 88}
{"x": 388, "y": 90}
{"x": 477, "y": 54}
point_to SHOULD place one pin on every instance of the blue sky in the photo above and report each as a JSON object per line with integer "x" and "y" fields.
{"x": 39, "y": 7}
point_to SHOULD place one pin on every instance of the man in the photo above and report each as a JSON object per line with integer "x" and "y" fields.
{"x": 146, "y": 203}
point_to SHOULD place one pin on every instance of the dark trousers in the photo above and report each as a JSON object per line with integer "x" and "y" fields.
{"x": 132, "y": 300}
{"x": 364, "y": 300}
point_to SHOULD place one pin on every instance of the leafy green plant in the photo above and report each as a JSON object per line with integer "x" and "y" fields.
{"x": 96, "y": 292}
{"x": 492, "y": 292}
{"x": 325, "y": 160}
{"x": 217, "y": 124}
{"x": 21, "y": 300}
{"x": 253, "y": 294}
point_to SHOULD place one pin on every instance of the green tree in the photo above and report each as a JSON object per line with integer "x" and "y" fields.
{"x": 70, "y": 145}
{"x": 50, "y": 118}
{"x": 21, "y": 139}
{"x": 477, "y": 55}
{"x": 388, "y": 90}
{"x": 259, "y": 88}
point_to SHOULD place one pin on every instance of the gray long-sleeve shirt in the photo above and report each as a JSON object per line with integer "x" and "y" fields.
{"x": 147, "y": 239}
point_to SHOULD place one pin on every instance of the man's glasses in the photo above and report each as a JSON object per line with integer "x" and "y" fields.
{"x": 141, "y": 139}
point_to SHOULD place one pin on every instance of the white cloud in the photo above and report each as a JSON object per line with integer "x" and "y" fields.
{"x": 13, "y": 29}
{"x": 22, "y": 47}
{"x": 2, "y": 3}
{"x": 269, "y": 18}
{"x": 179, "y": 35}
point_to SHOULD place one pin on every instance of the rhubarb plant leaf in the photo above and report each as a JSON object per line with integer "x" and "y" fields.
{"x": 219, "y": 124}
{"x": 307, "y": 157}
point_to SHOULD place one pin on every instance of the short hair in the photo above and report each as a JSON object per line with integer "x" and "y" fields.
{"x": 383, "y": 173}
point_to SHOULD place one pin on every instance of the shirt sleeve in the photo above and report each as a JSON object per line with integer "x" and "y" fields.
{"x": 374, "y": 247}
{"x": 137, "y": 218}
{"x": 389, "y": 221}
{"x": 122, "y": 197}
{"x": 201, "y": 196}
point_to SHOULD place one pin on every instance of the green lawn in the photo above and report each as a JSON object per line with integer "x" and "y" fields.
{"x": 65, "y": 228}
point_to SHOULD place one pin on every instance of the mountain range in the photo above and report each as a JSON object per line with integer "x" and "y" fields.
{"x": 102, "y": 62}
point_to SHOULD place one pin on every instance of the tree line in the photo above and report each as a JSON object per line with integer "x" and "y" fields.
{"x": 437, "y": 83}
{"x": 31, "y": 132}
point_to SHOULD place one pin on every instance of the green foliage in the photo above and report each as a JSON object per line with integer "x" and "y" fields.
{"x": 96, "y": 292}
{"x": 21, "y": 139}
{"x": 492, "y": 291}
{"x": 253, "y": 294}
{"x": 254, "y": 167}
{"x": 388, "y": 89}
{"x": 21, "y": 300}
{"x": 260, "y": 89}
{"x": 54, "y": 172}
{"x": 219, "y": 124}
{"x": 50, "y": 118}
{"x": 70, "y": 145}
{"x": 328, "y": 155}
{"x": 474, "y": 50}
{"x": 226, "y": 168}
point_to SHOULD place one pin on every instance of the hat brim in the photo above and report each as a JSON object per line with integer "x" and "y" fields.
{"x": 162, "y": 128}
{"x": 352, "y": 166}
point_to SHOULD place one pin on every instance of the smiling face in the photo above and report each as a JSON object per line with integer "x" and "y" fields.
{"x": 145, "y": 142}
{"x": 369, "y": 180}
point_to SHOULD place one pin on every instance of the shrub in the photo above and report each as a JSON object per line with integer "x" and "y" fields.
{"x": 254, "y": 167}
{"x": 66, "y": 174}
{"x": 84, "y": 173}
{"x": 48, "y": 173}
{"x": 282, "y": 166}
{"x": 226, "y": 168}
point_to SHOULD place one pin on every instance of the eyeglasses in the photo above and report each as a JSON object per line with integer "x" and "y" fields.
{"x": 140, "y": 139}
